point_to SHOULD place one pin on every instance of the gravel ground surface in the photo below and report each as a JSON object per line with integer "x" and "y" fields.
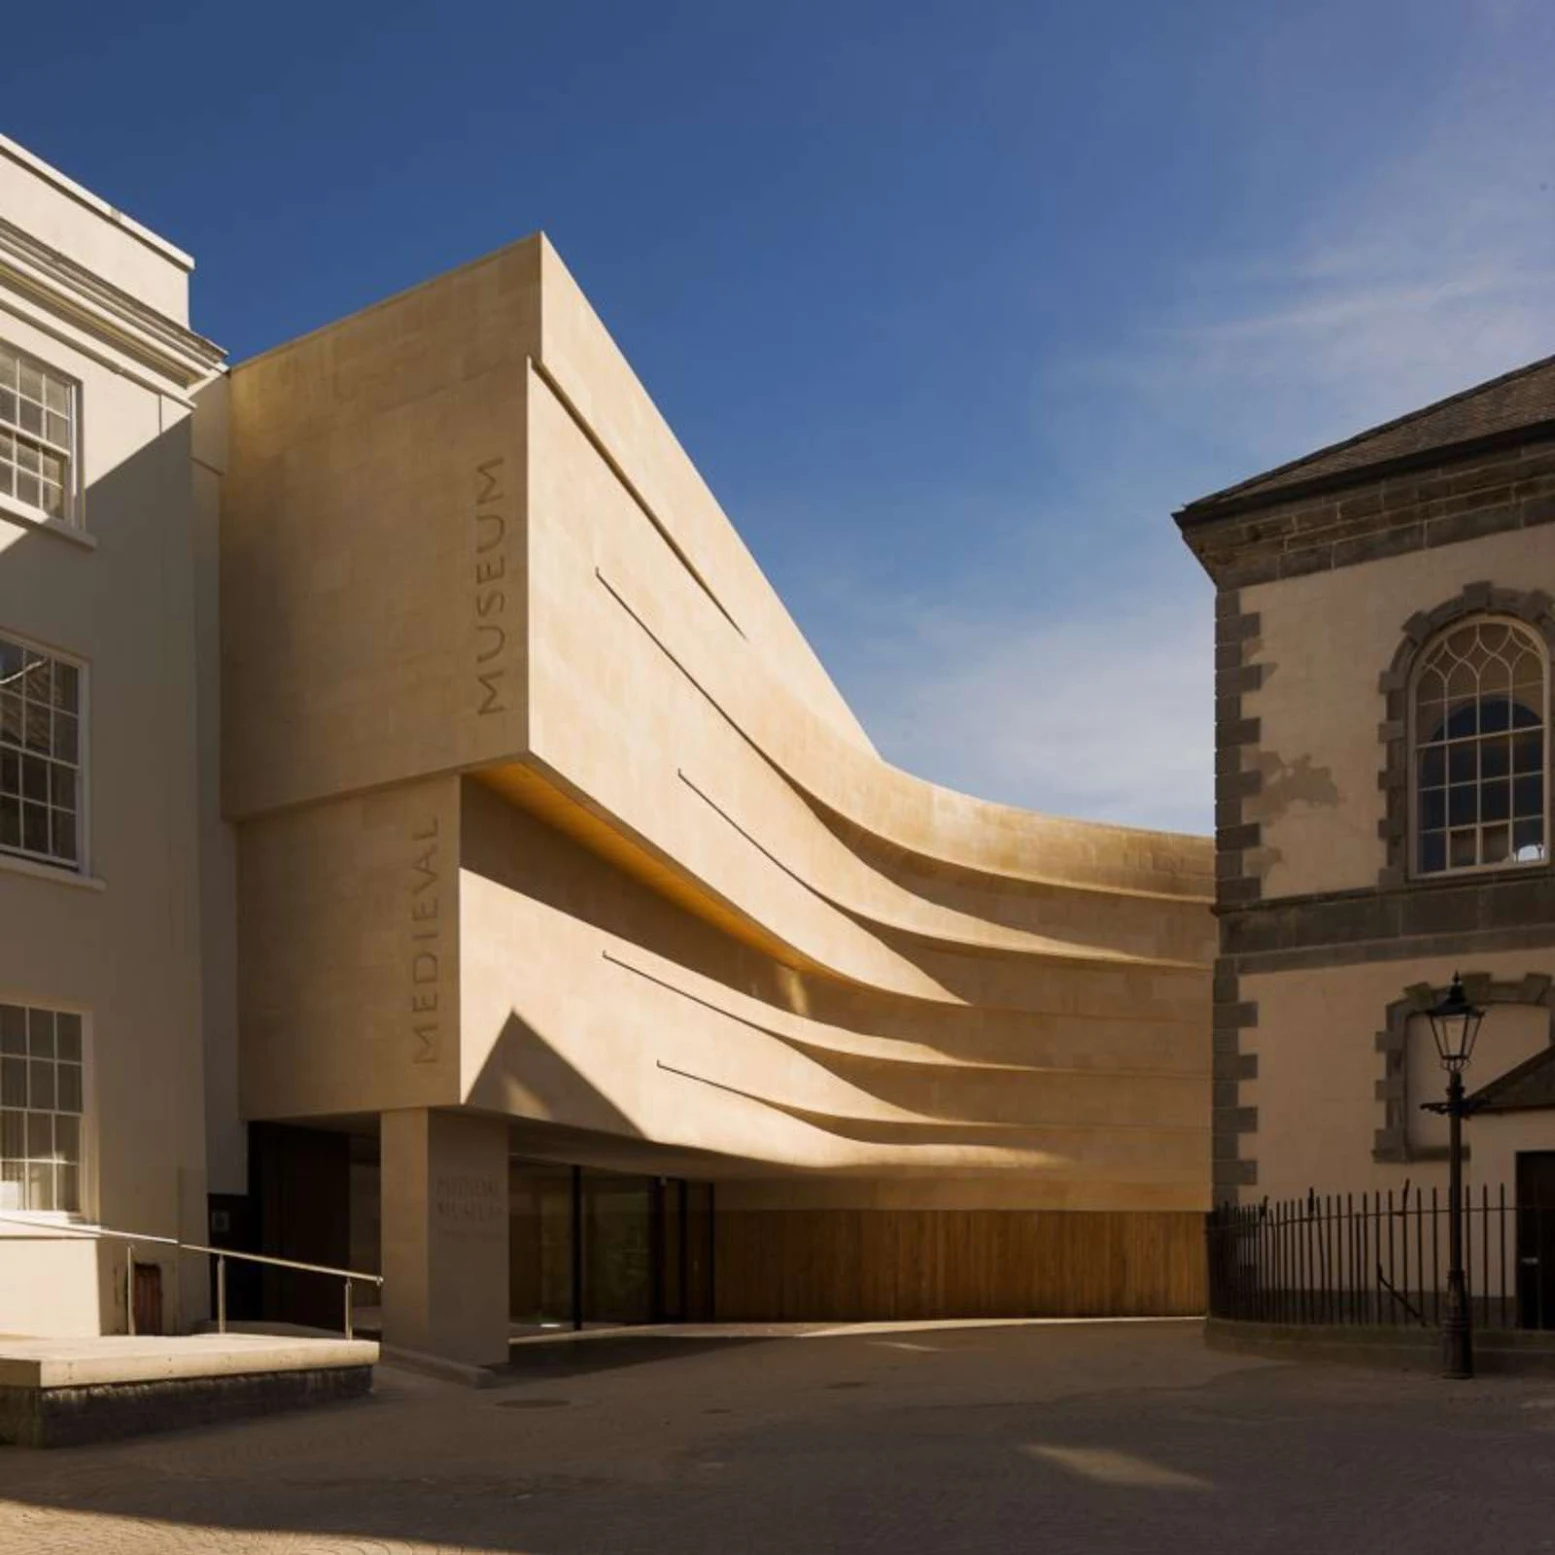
{"x": 1089, "y": 1438}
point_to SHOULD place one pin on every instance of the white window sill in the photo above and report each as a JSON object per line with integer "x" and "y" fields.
{"x": 1481, "y": 871}
{"x": 20, "y": 513}
{"x": 60, "y": 874}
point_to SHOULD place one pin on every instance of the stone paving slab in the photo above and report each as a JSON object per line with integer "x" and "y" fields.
{"x": 1055, "y": 1440}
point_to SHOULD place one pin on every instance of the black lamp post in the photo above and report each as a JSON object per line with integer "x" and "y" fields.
{"x": 1455, "y": 1025}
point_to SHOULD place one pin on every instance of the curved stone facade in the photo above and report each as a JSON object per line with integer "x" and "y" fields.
{"x": 548, "y": 813}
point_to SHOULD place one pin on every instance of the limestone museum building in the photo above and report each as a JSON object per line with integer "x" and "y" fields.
{"x": 429, "y": 847}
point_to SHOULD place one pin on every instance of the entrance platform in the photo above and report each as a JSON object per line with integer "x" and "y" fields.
{"x": 63, "y": 1392}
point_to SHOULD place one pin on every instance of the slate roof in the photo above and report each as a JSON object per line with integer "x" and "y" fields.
{"x": 1523, "y": 1088}
{"x": 1515, "y": 401}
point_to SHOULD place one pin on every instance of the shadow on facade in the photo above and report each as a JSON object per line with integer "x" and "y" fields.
{"x": 117, "y": 595}
{"x": 550, "y": 1085}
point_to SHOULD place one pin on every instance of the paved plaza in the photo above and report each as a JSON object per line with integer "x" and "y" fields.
{"x": 1045, "y": 1438}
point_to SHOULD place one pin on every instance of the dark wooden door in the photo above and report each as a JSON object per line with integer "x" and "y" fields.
{"x": 302, "y": 1178}
{"x": 1536, "y": 1239}
{"x": 148, "y": 1298}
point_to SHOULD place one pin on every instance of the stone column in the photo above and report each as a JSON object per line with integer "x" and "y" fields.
{"x": 445, "y": 1235}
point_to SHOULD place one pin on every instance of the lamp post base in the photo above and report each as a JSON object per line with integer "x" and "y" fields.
{"x": 1457, "y": 1339}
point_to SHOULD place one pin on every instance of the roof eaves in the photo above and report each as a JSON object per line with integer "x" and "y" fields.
{"x": 1488, "y": 1096}
{"x": 1237, "y": 499}
{"x": 1258, "y": 485}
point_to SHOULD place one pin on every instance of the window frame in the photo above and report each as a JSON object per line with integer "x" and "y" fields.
{"x": 1536, "y": 642}
{"x": 72, "y": 518}
{"x": 18, "y": 855}
{"x": 86, "y": 1214}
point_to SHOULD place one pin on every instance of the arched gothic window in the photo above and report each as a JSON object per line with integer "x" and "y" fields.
{"x": 1478, "y": 732}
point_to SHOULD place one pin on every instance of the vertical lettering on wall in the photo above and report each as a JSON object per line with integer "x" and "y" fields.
{"x": 490, "y": 594}
{"x": 425, "y": 945}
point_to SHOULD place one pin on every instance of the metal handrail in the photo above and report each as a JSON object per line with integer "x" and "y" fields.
{"x": 220, "y": 1254}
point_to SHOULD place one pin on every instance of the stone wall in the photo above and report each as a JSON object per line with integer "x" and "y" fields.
{"x": 1324, "y": 596}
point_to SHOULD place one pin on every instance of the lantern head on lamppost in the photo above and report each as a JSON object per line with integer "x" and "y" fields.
{"x": 1455, "y": 1026}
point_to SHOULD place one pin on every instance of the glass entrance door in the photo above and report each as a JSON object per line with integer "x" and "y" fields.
{"x": 587, "y": 1246}
{"x": 618, "y": 1248}
{"x": 671, "y": 1296}
{"x": 540, "y": 1244}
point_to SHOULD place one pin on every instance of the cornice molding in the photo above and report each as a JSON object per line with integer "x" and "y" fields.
{"x": 1452, "y": 499}
{"x": 73, "y": 293}
{"x": 38, "y": 168}
{"x": 1237, "y": 503}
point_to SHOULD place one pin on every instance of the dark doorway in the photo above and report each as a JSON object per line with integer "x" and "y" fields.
{"x": 1536, "y": 1239}
{"x": 683, "y": 1251}
{"x": 232, "y": 1227}
{"x": 302, "y": 1186}
{"x": 698, "y": 1252}
{"x": 669, "y": 1296}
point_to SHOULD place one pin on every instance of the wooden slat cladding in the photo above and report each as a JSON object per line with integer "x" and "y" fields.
{"x": 863, "y": 1264}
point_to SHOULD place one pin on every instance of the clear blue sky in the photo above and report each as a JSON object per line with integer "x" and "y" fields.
{"x": 951, "y": 303}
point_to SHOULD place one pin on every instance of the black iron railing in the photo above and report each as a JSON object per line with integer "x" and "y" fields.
{"x": 1380, "y": 1259}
